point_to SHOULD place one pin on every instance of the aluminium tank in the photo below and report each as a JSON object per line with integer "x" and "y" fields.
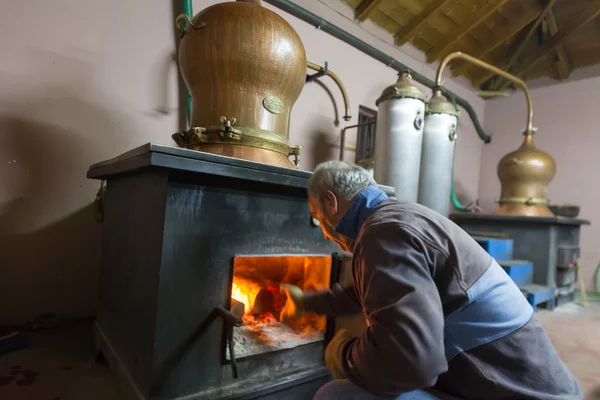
{"x": 437, "y": 154}
{"x": 245, "y": 67}
{"x": 399, "y": 137}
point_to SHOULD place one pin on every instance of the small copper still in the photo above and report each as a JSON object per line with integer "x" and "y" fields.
{"x": 524, "y": 173}
{"x": 524, "y": 176}
{"x": 245, "y": 67}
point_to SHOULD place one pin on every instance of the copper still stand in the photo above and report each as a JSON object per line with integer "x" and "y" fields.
{"x": 524, "y": 173}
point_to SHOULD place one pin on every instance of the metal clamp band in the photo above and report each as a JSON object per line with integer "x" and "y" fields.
{"x": 529, "y": 201}
{"x": 295, "y": 151}
{"x": 241, "y": 136}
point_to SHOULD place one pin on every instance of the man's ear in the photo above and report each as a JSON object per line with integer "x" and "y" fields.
{"x": 331, "y": 203}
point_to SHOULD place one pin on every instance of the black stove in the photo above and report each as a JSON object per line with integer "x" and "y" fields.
{"x": 195, "y": 246}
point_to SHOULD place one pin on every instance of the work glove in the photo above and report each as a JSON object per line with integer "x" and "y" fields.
{"x": 294, "y": 306}
{"x": 332, "y": 353}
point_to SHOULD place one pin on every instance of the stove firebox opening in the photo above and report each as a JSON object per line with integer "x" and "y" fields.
{"x": 255, "y": 292}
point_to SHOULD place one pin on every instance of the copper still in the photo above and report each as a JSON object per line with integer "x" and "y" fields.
{"x": 524, "y": 173}
{"x": 524, "y": 177}
{"x": 245, "y": 67}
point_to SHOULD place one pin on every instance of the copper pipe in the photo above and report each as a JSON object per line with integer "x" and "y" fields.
{"x": 336, "y": 79}
{"x": 519, "y": 82}
{"x": 492, "y": 93}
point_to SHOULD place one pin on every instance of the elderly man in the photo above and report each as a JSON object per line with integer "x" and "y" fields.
{"x": 444, "y": 320}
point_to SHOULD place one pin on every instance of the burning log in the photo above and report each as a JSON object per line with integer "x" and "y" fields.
{"x": 264, "y": 302}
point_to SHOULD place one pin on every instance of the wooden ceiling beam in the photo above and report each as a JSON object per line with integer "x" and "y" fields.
{"x": 365, "y": 9}
{"x": 502, "y": 37}
{"x": 411, "y": 30}
{"x": 591, "y": 12}
{"x": 562, "y": 60}
{"x": 515, "y": 55}
{"x": 445, "y": 46}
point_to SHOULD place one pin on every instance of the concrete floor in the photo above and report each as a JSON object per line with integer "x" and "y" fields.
{"x": 575, "y": 333}
{"x": 59, "y": 365}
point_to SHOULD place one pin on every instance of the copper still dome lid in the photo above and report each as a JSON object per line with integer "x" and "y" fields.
{"x": 245, "y": 67}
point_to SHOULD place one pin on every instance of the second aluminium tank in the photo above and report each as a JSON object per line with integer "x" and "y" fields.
{"x": 399, "y": 137}
{"x": 437, "y": 154}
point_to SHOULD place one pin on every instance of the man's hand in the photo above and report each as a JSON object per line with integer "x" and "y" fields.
{"x": 294, "y": 306}
{"x": 331, "y": 353}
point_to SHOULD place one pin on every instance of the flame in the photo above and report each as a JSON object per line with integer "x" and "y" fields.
{"x": 245, "y": 291}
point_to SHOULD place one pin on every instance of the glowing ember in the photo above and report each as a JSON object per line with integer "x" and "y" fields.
{"x": 264, "y": 333}
{"x": 245, "y": 291}
{"x": 256, "y": 281}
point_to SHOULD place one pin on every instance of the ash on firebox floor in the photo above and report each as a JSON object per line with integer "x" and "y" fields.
{"x": 266, "y": 334}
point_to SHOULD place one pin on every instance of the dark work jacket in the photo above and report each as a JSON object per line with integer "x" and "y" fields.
{"x": 441, "y": 312}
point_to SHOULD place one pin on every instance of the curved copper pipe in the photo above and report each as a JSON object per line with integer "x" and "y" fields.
{"x": 336, "y": 79}
{"x": 519, "y": 82}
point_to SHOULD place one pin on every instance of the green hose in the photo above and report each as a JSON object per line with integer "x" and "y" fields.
{"x": 187, "y": 10}
{"x": 592, "y": 296}
{"x": 453, "y": 197}
{"x": 597, "y": 279}
{"x": 455, "y": 202}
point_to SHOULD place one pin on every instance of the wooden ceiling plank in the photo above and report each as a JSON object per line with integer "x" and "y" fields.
{"x": 515, "y": 55}
{"x": 501, "y": 38}
{"x": 472, "y": 22}
{"x": 365, "y": 9}
{"x": 587, "y": 60}
{"x": 591, "y": 12}
{"x": 408, "y": 33}
{"x": 562, "y": 62}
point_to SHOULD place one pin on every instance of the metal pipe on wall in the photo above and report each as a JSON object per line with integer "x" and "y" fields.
{"x": 338, "y": 82}
{"x": 320, "y": 23}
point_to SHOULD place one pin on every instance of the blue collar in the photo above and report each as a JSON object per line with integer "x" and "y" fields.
{"x": 360, "y": 209}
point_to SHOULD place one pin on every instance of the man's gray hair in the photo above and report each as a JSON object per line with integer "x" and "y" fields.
{"x": 346, "y": 180}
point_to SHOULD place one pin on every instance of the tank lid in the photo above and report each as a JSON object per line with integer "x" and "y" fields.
{"x": 439, "y": 105}
{"x": 403, "y": 88}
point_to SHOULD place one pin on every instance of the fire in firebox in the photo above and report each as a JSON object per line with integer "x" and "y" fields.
{"x": 255, "y": 296}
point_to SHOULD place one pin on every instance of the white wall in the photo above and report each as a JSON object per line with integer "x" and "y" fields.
{"x": 85, "y": 81}
{"x": 566, "y": 117}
